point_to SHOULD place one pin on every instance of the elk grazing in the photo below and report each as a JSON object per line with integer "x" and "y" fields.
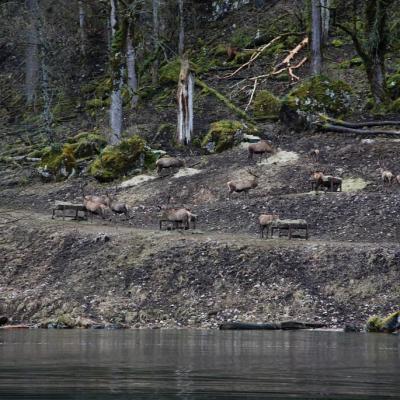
{"x": 117, "y": 207}
{"x": 179, "y": 216}
{"x": 327, "y": 182}
{"x": 95, "y": 208}
{"x": 265, "y": 221}
{"x": 314, "y": 154}
{"x": 387, "y": 176}
{"x": 169, "y": 162}
{"x": 262, "y": 147}
{"x": 103, "y": 199}
{"x": 243, "y": 185}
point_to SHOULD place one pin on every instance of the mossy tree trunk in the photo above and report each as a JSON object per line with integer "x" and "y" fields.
{"x": 156, "y": 31}
{"x": 325, "y": 19}
{"x": 118, "y": 32}
{"x": 82, "y": 27}
{"x": 131, "y": 64}
{"x": 185, "y": 103}
{"x": 372, "y": 44}
{"x": 316, "y": 36}
{"x": 31, "y": 53}
{"x": 181, "y": 41}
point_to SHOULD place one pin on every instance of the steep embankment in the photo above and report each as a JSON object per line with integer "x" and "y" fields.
{"x": 124, "y": 275}
{"x": 141, "y": 276}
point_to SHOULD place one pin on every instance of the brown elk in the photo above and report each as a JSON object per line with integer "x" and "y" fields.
{"x": 179, "y": 216}
{"x": 243, "y": 185}
{"x": 314, "y": 154}
{"x": 168, "y": 162}
{"x": 327, "y": 182}
{"x": 95, "y": 208}
{"x": 117, "y": 207}
{"x": 262, "y": 147}
{"x": 265, "y": 221}
{"x": 387, "y": 176}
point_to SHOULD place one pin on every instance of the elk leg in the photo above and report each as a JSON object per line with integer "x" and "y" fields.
{"x": 261, "y": 231}
{"x": 54, "y": 211}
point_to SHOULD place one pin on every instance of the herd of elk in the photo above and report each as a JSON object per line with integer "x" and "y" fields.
{"x": 100, "y": 205}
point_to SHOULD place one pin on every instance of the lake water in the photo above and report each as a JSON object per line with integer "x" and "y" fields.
{"x": 197, "y": 364}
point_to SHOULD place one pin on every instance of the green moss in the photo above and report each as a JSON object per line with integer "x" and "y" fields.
{"x": 241, "y": 38}
{"x": 96, "y": 103}
{"x": 337, "y": 43}
{"x": 242, "y": 57}
{"x": 57, "y": 156}
{"x": 119, "y": 160}
{"x": 393, "y": 85}
{"x": 388, "y": 325}
{"x": 223, "y": 135}
{"x": 170, "y": 72}
{"x": 395, "y": 106}
{"x": 87, "y": 144}
{"x": 320, "y": 95}
{"x": 266, "y": 105}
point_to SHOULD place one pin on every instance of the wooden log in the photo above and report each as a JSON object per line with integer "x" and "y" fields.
{"x": 364, "y": 124}
{"x": 284, "y": 325}
{"x": 343, "y": 129}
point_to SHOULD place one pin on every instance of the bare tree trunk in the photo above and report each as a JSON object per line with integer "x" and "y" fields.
{"x": 185, "y": 103}
{"x": 31, "y": 53}
{"x": 181, "y": 42}
{"x": 316, "y": 54}
{"x": 377, "y": 81}
{"x": 325, "y": 19}
{"x": 117, "y": 82}
{"x": 82, "y": 26}
{"x": 131, "y": 67}
{"x": 156, "y": 30}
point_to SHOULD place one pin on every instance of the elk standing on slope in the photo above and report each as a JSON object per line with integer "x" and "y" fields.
{"x": 169, "y": 162}
{"x": 179, "y": 216}
{"x": 262, "y": 147}
{"x": 243, "y": 185}
{"x": 387, "y": 176}
{"x": 118, "y": 207}
{"x": 265, "y": 221}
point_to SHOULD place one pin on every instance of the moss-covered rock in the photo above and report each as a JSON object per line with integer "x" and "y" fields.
{"x": 223, "y": 135}
{"x": 116, "y": 161}
{"x": 170, "y": 72}
{"x": 87, "y": 144}
{"x": 266, "y": 105}
{"x": 59, "y": 159}
{"x": 313, "y": 96}
{"x": 389, "y": 324}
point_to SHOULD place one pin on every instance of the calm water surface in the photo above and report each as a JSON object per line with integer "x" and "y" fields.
{"x": 195, "y": 364}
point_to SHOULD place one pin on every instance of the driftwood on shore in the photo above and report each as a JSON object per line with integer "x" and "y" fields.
{"x": 273, "y": 326}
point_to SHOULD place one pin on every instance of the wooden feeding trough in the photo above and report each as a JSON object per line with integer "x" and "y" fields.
{"x": 286, "y": 227}
{"x": 65, "y": 206}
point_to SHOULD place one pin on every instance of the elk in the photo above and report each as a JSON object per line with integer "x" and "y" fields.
{"x": 243, "y": 185}
{"x": 318, "y": 179}
{"x": 262, "y": 147}
{"x": 95, "y": 208}
{"x": 169, "y": 162}
{"x": 103, "y": 199}
{"x": 265, "y": 221}
{"x": 179, "y": 216}
{"x": 387, "y": 176}
{"x": 314, "y": 154}
{"x": 117, "y": 207}
{"x": 398, "y": 179}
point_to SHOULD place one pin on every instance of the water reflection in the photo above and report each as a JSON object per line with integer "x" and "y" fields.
{"x": 195, "y": 364}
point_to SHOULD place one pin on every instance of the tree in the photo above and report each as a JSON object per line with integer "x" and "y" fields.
{"x": 82, "y": 26}
{"x": 371, "y": 43}
{"x": 181, "y": 41}
{"x": 117, "y": 74}
{"x": 185, "y": 102}
{"x": 316, "y": 36}
{"x": 156, "y": 31}
{"x": 325, "y": 19}
{"x": 31, "y": 53}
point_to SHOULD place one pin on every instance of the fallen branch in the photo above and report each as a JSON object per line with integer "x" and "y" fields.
{"x": 292, "y": 53}
{"x": 343, "y": 129}
{"x": 252, "y": 95}
{"x": 290, "y": 69}
{"x": 254, "y": 56}
{"x": 358, "y": 124}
